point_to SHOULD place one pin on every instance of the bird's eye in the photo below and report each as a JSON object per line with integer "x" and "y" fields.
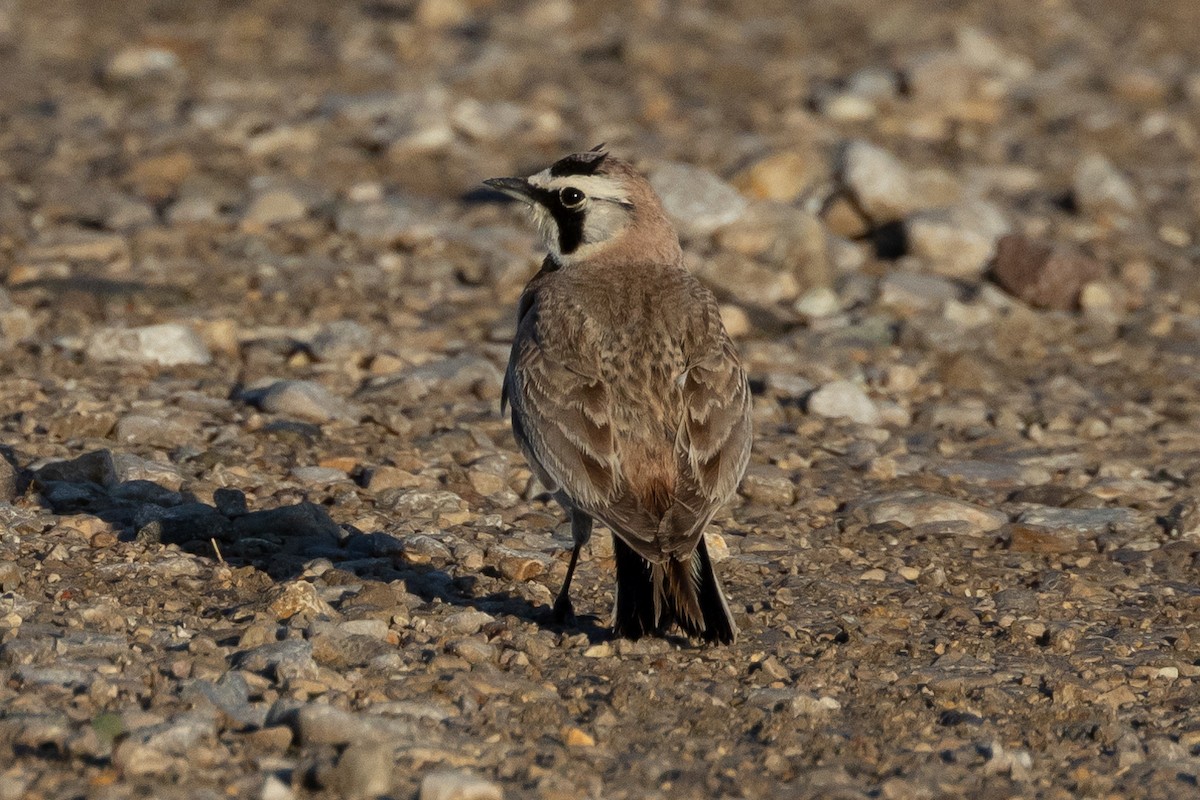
{"x": 571, "y": 197}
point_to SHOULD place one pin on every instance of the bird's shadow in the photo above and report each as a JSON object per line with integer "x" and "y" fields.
{"x": 281, "y": 541}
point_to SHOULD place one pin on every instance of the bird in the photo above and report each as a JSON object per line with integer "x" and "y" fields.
{"x": 627, "y": 395}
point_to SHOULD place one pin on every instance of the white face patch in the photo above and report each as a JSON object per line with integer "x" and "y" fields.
{"x": 605, "y": 209}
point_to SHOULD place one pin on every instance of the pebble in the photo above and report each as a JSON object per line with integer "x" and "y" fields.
{"x": 138, "y": 63}
{"x": 167, "y": 345}
{"x": 306, "y": 400}
{"x": 958, "y": 241}
{"x": 298, "y": 597}
{"x": 457, "y": 785}
{"x": 165, "y": 429}
{"x": 883, "y": 187}
{"x": 913, "y": 508}
{"x": 1042, "y": 274}
{"x": 9, "y": 480}
{"x": 1100, "y": 188}
{"x": 319, "y": 476}
{"x": 275, "y": 789}
{"x": 363, "y": 770}
{"x": 915, "y": 291}
{"x": 1082, "y": 520}
{"x": 768, "y": 484}
{"x": 11, "y": 576}
{"x": 697, "y": 201}
{"x": 783, "y": 176}
{"x": 343, "y": 340}
{"x": 844, "y": 400}
{"x": 275, "y": 206}
{"x": 279, "y": 660}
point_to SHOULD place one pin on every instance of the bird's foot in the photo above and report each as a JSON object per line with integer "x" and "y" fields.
{"x": 563, "y": 610}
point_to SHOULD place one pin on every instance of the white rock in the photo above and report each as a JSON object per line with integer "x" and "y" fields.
{"x": 140, "y": 63}
{"x": 168, "y": 345}
{"x": 458, "y": 785}
{"x": 1101, "y": 187}
{"x": 844, "y": 399}
{"x": 918, "y": 508}
{"x": 959, "y": 241}
{"x": 696, "y": 200}
{"x": 883, "y": 186}
{"x": 818, "y": 302}
{"x": 304, "y": 400}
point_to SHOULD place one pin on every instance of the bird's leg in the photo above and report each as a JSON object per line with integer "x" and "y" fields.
{"x": 581, "y": 532}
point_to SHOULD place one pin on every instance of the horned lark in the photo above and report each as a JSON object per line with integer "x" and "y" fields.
{"x": 628, "y": 398}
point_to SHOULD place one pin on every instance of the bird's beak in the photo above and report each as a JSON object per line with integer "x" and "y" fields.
{"x": 516, "y": 188}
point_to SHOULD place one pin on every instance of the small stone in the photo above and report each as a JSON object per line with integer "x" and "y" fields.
{"x": 736, "y": 320}
{"x": 818, "y": 303}
{"x": 275, "y": 206}
{"x": 343, "y": 340}
{"x": 467, "y": 622}
{"x": 768, "y": 484}
{"x": 136, "y": 64}
{"x": 298, "y": 597}
{"x": 783, "y": 176}
{"x": 875, "y": 575}
{"x": 843, "y": 217}
{"x": 913, "y": 508}
{"x": 364, "y": 770}
{"x": 915, "y": 291}
{"x": 1100, "y": 188}
{"x": 517, "y": 565}
{"x": 458, "y": 785}
{"x": 318, "y": 476}
{"x": 844, "y": 400}
{"x": 718, "y": 549}
{"x": 1041, "y": 274}
{"x": 883, "y": 187}
{"x": 696, "y": 200}
{"x": 305, "y": 400}
{"x": 275, "y": 789}
{"x": 8, "y": 481}
{"x": 11, "y": 576}
{"x": 577, "y": 737}
{"x": 167, "y": 345}
{"x": 1026, "y": 538}
{"x": 283, "y": 661}
{"x": 959, "y": 241}
{"x": 1082, "y": 520}
{"x": 160, "y": 429}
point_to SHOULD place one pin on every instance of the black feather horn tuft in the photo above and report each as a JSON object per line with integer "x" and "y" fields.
{"x": 580, "y": 163}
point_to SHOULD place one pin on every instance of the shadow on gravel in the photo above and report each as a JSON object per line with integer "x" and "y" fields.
{"x": 122, "y": 490}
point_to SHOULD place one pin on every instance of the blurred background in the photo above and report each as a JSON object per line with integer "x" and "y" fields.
{"x": 254, "y": 303}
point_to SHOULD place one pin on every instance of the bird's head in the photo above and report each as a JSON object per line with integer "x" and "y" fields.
{"x": 591, "y": 205}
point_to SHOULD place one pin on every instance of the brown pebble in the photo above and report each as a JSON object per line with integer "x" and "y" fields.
{"x": 103, "y": 539}
{"x": 1042, "y": 274}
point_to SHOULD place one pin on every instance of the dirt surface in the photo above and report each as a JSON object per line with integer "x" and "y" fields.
{"x": 264, "y": 533}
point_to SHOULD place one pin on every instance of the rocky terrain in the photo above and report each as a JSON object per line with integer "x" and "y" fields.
{"x": 264, "y": 533}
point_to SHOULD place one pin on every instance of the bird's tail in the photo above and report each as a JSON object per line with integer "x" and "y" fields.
{"x": 650, "y": 596}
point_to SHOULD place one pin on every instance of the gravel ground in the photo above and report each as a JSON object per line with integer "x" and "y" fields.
{"x": 264, "y": 534}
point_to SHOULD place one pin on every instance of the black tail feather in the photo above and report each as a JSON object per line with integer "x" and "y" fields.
{"x": 650, "y": 599}
{"x": 633, "y": 616}
{"x": 718, "y": 620}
